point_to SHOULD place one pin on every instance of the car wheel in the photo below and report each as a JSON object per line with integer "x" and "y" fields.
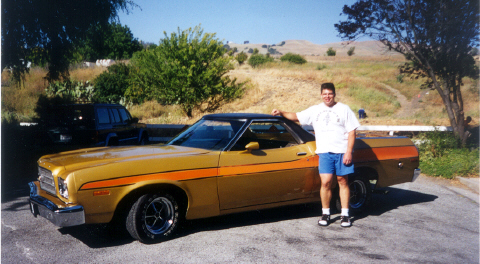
{"x": 153, "y": 218}
{"x": 360, "y": 193}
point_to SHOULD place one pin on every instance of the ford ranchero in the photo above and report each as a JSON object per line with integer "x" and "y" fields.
{"x": 223, "y": 164}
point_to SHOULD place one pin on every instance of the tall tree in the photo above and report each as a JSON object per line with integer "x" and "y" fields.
{"x": 436, "y": 37}
{"x": 111, "y": 41}
{"x": 187, "y": 68}
{"x": 53, "y": 26}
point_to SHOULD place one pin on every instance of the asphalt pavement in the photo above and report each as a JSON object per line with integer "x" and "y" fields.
{"x": 431, "y": 220}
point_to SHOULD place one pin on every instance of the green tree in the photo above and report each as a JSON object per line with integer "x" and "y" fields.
{"x": 255, "y": 51}
{"x": 436, "y": 38}
{"x": 53, "y": 26}
{"x": 331, "y": 52}
{"x": 111, "y": 41}
{"x": 110, "y": 86}
{"x": 187, "y": 68}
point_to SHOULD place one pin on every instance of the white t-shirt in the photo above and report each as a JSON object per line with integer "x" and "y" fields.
{"x": 331, "y": 126}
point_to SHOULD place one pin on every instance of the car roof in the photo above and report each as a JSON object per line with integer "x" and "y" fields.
{"x": 304, "y": 135}
{"x": 239, "y": 116}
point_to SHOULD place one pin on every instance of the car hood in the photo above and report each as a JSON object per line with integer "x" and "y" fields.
{"x": 94, "y": 157}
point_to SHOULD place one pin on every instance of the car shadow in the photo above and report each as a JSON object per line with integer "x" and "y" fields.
{"x": 99, "y": 236}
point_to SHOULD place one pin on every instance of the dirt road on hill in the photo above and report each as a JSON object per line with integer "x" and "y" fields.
{"x": 295, "y": 94}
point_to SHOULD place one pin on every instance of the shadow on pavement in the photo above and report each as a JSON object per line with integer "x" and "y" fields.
{"x": 99, "y": 236}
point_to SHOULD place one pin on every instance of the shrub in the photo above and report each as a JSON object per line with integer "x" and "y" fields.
{"x": 264, "y": 46}
{"x": 351, "y": 51}
{"x": 441, "y": 154}
{"x": 258, "y": 59}
{"x": 321, "y": 67}
{"x": 255, "y": 51}
{"x": 293, "y": 58}
{"x": 111, "y": 85}
{"x": 250, "y": 50}
{"x": 331, "y": 52}
{"x": 241, "y": 57}
{"x": 76, "y": 91}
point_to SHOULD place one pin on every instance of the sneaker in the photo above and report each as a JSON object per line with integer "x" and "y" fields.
{"x": 345, "y": 221}
{"x": 324, "y": 220}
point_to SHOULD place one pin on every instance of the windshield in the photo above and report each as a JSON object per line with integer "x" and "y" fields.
{"x": 208, "y": 134}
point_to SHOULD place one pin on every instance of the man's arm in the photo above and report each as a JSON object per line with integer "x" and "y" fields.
{"x": 347, "y": 158}
{"x": 288, "y": 115}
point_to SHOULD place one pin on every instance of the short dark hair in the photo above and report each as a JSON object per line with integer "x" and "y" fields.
{"x": 328, "y": 86}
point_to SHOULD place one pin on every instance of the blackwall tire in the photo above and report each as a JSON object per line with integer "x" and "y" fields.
{"x": 360, "y": 193}
{"x": 153, "y": 218}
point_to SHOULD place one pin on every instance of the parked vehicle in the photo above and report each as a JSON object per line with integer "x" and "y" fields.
{"x": 86, "y": 125}
{"x": 224, "y": 163}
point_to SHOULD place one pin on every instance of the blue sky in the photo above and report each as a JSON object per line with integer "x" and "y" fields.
{"x": 260, "y": 21}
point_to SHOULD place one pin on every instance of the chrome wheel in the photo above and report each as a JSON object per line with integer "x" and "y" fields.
{"x": 358, "y": 193}
{"x": 159, "y": 215}
{"x": 153, "y": 218}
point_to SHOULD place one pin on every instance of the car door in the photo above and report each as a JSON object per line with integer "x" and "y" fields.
{"x": 279, "y": 170}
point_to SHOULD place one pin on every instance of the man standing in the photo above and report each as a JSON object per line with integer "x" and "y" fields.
{"x": 334, "y": 124}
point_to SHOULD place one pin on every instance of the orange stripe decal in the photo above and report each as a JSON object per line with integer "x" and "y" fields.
{"x": 203, "y": 173}
{"x": 177, "y": 175}
{"x": 374, "y": 154}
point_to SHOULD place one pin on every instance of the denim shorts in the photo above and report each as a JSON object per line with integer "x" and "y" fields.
{"x": 332, "y": 163}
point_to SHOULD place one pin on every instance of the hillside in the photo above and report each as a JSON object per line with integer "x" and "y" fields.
{"x": 304, "y": 47}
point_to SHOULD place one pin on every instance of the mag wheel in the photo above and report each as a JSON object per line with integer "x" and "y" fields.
{"x": 360, "y": 193}
{"x": 153, "y": 218}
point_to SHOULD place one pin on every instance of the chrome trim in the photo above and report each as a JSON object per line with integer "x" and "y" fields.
{"x": 416, "y": 173}
{"x": 68, "y": 216}
{"x": 301, "y": 153}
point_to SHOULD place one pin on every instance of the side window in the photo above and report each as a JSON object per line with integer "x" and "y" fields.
{"x": 115, "y": 115}
{"x": 269, "y": 135}
{"x": 124, "y": 114}
{"x": 103, "y": 117}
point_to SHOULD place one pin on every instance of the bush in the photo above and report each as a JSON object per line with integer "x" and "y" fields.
{"x": 255, "y": 51}
{"x": 293, "y": 58}
{"x": 351, "y": 51}
{"x": 331, "y": 52}
{"x": 111, "y": 85}
{"x": 241, "y": 57}
{"x": 258, "y": 59}
{"x": 75, "y": 91}
{"x": 441, "y": 154}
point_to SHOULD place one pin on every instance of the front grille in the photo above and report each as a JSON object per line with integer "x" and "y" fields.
{"x": 47, "y": 183}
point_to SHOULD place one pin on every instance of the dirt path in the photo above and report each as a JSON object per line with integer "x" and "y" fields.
{"x": 274, "y": 90}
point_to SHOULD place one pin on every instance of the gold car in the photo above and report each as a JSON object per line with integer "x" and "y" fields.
{"x": 224, "y": 163}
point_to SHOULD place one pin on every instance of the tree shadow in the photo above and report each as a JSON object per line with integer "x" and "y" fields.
{"x": 99, "y": 236}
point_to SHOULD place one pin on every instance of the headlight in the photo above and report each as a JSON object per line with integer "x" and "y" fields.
{"x": 62, "y": 188}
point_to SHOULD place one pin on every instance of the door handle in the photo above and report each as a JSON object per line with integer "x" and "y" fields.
{"x": 301, "y": 153}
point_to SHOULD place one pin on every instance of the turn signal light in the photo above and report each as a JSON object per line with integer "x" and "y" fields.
{"x": 99, "y": 193}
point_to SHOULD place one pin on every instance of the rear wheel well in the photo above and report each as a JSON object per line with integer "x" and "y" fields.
{"x": 369, "y": 173}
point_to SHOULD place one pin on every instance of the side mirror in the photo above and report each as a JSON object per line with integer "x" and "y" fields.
{"x": 252, "y": 146}
{"x": 134, "y": 120}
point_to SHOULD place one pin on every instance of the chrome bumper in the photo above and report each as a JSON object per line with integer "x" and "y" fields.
{"x": 416, "y": 173}
{"x": 68, "y": 216}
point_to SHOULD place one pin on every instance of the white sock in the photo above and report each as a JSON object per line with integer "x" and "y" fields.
{"x": 344, "y": 212}
{"x": 326, "y": 211}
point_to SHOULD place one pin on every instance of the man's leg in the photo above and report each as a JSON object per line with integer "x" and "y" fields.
{"x": 325, "y": 196}
{"x": 344, "y": 200}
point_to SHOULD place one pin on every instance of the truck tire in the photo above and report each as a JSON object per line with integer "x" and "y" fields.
{"x": 153, "y": 218}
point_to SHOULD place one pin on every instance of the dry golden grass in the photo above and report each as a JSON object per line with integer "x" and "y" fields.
{"x": 362, "y": 82}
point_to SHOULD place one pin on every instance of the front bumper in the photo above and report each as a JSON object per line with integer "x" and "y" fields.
{"x": 416, "y": 173}
{"x": 67, "y": 216}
